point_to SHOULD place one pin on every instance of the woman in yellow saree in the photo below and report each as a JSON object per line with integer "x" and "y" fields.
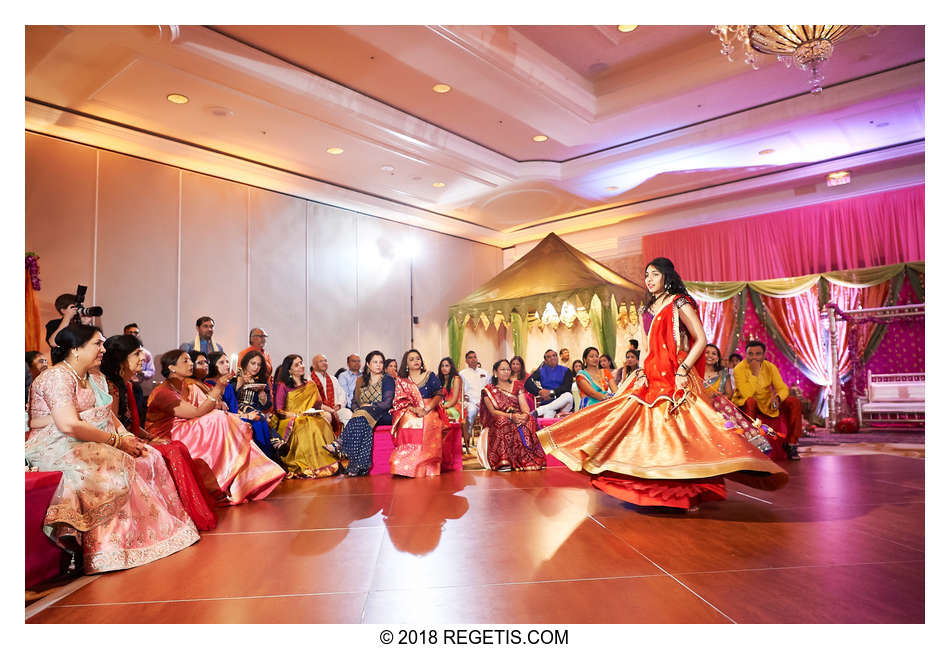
{"x": 300, "y": 421}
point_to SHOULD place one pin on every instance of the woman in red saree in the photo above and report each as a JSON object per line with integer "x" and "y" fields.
{"x": 179, "y": 409}
{"x": 122, "y": 360}
{"x": 509, "y": 439}
{"x": 659, "y": 442}
{"x": 418, "y": 420}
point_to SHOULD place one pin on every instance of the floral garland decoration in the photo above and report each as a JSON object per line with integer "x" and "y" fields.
{"x": 33, "y": 266}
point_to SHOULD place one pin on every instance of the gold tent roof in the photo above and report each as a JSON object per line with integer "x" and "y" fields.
{"x": 552, "y": 271}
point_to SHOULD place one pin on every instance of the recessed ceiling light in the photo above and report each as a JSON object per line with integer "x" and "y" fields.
{"x": 438, "y": 184}
{"x": 626, "y": 28}
{"x": 540, "y": 138}
{"x": 766, "y": 151}
{"x": 334, "y": 150}
{"x": 612, "y": 188}
{"x": 220, "y": 111}
{"x": 839, "y": 178}
{"x": 387, "y": 168}
{"x": 441, "y": 88}
{"x": 175, "y": 98}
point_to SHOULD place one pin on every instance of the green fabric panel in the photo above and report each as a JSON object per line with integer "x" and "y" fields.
{"x": 824, "y": 293}
{"x": 518, "y": 333}
{"x": 597, "y": 321}
{"x": 742, "y": 301}
{"x": 456, "y": 331}
{"x": 916, "y": 282}
{"x": 609, "y": 324}
{"x": 877, "y": 335}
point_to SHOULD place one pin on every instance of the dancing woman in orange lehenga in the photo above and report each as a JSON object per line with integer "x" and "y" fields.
{"x": 659, "y": 442}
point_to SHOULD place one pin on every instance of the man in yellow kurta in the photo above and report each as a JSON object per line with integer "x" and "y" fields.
{"x": 762, "y": 394}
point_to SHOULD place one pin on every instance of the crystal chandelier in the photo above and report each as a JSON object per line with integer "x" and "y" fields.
{"x": 809, "y": 46}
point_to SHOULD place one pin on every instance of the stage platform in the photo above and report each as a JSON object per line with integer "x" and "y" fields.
{"x": 842, "y": 543}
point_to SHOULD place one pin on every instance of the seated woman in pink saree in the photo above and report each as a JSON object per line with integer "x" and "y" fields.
{"x": 419, "y": 420}
{"x": 116, "y": 502}
{"x": 179, "y": 409}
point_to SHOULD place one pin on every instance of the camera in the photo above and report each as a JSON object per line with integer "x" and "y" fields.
{"x": 85, "y": 311}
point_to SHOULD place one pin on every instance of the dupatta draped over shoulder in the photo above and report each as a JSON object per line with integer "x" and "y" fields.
{"x": 306, "y": 434}
{"x": 218, "y": 438}
{"x": 650, "y": 445}
{"x": 123, "y": 511}
{"x": 417, "y": 441}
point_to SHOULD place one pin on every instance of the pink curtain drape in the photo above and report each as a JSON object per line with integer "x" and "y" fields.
{"x": 873, "y": 230}
{"x": 718, "y": 320}
{"x": 798, "y": 322}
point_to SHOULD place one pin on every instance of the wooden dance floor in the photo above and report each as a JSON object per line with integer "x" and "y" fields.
{"x": 844, "y": 542}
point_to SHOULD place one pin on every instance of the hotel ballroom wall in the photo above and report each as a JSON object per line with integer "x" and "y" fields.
{"x": 161, "y": 246}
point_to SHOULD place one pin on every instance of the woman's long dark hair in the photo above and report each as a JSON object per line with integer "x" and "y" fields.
{"x": 282, "y": 375}
{"x": 404, "y": 365}
{"x": 494, "y": 368}
{"x": 261, "y": 376}
{"x": 213, "y": 359}
{"x": 718, "y": 365}
{"x": 72, "y": 337}
{"x": 524, "y": 369}
{"x": 118, "y": 349}
{"x": 369, "y": 357}
{"x": 447, "y": 379}
{"x": 672, "y": 282}
{"x": 624, "y": 370}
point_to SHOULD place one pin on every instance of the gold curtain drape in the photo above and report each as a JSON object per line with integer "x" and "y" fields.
{"x": 792, "y": 286}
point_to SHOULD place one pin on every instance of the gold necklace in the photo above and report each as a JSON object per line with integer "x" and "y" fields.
{"x": 83, "y": 382}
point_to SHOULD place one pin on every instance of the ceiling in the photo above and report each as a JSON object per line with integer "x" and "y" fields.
{"x": 630, "y": 117}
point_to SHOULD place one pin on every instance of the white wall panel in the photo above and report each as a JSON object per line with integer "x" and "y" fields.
{"x": 278, "y": 272}
{"x": 137, "y": 270}
{"x": 60, "y": 217}
{"x": 383, "y": 286}
{"x": 214, "y": 258}
{"x": 332, "y": 257}
{"x": 317, "y": 278}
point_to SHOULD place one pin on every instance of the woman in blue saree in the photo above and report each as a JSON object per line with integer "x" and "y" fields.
{"x": 264, "y": 437}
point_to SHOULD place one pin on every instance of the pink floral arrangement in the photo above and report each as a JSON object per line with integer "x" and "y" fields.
{"x": 32, "y": 265}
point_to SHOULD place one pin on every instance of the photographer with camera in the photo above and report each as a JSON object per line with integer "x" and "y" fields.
{"x": 70, "y": 307}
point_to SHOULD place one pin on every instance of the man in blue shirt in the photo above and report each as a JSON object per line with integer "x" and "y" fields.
{"x": 551, "y": 385}
{"x": 348, "y": 378}
{"x": 204, "y": 341}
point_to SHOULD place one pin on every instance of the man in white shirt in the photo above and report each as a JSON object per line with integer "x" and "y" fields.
{"x": 348, "y": 378}
{"x": 332, "y": 393}
{"x": 474, "y": 379}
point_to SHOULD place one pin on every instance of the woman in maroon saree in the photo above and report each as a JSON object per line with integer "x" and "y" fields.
{"x": 509, "y": 439}
{"x": 123, "y": 358}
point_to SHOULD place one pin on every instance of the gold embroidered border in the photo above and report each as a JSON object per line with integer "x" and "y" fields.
{"x": 132, "y": 557}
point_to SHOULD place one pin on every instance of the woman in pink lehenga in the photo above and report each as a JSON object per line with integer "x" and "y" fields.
{"x": 179, "y": 409}
{"x": 418, "y": 420}
{"x": 116, "y": 501}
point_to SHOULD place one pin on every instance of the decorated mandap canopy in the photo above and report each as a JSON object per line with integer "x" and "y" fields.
{"x": 554, "y": 283}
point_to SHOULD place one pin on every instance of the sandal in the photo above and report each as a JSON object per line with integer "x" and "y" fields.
{"x": 333, "y": 448}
